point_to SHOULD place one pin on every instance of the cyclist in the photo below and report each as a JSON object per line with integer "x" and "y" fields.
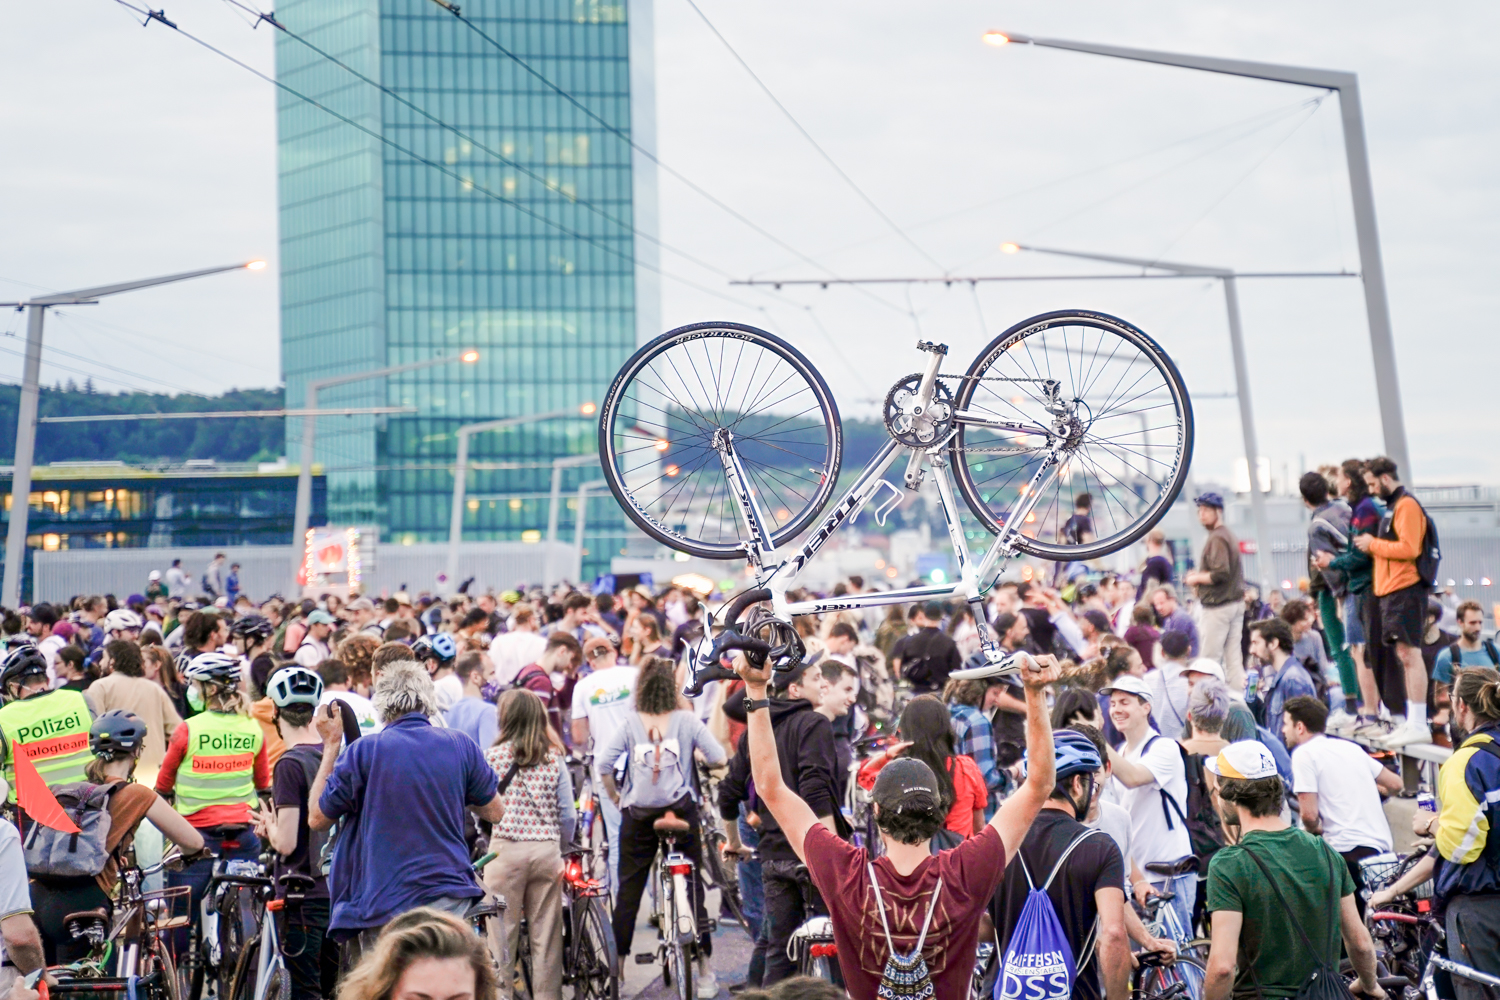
{"x": 878, "y": 907}
{"x": 57, "y": 722}
{"x": 660, "y": 740}
{"x": 1088, "y": 892}
{"x": 122, "y": 623}
{"x": 1468, "y": 875}
{"x": 437, "y": 653}
{"x": 115, "y": 741}
{"x": 253, "y": 636}
{"x": 216, "y": 764}
{"x": 539, "y": 815}
{"x": 311, "y": 958}
{"x": 314, "y": 649}
{"x": 1269, "y": 894}
{"x": 601, "y": 703}
{"x": 20, "y": 942}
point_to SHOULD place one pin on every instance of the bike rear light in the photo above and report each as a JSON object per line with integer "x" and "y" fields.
{"x": 684, "y": 869}
{"x": 275, "y": 905}
{"x": 823, "y": 950}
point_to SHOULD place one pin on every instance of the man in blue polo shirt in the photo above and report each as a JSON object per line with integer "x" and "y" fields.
{"x": 403, "y": 842}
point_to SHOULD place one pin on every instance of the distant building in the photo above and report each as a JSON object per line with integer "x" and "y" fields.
{"x": 109, "y": 505}
{"x": 519, "y": 243}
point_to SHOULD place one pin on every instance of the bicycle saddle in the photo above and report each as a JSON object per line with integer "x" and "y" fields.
{"x": 669, "y": 823}
{"x": 1183, "y": 866}
{"x": 91, "y": 924}
{"x": 294, "y": 883}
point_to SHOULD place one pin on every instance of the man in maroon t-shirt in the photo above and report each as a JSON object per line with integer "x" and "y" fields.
{"x": 908, "y": 814}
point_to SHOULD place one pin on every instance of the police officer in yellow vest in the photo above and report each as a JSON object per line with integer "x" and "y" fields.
{"x": 216, "y": 766}
{"x": 50, "y": 727}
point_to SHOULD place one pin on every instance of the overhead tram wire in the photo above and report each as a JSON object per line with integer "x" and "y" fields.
{"x": 616, "y": 131}
{"x": 974, "y": 279}
{"x": 442, "y": 168}
{"x": 814, "y": 143}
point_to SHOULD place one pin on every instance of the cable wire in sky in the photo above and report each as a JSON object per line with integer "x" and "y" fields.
{"x": 814, "y": 143}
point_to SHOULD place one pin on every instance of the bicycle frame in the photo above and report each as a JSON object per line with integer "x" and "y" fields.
{"x": 779, "y": 576}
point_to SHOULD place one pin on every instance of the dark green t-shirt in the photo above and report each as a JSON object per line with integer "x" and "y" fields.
{"x": 1271, "y": 952}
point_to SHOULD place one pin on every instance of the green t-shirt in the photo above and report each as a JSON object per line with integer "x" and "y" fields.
{"x": 1271, "y": 952}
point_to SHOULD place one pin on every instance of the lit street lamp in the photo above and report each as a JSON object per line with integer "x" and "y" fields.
{"x": 461, "y": 472}
{"x": 309, "y": 429}
{"x": 20, "y": 483}
{"x": 1241, "y": 373}
{"x": 1377, "y": 310}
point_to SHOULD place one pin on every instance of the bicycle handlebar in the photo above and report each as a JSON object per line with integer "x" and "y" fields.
{"x": 707, "y": 667}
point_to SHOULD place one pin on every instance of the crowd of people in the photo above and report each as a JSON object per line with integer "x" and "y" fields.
{"x": 1165, "y": 734}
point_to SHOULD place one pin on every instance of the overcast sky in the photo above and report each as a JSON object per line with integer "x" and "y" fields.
{"x": 128, "y": 151}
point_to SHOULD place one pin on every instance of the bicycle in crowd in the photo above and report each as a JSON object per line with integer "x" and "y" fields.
{"x": 589, "y": 952}
{"x": 719, "y": 873}
{"x": 133, "y": 956}
{"x": 1410, "y": 939}
{"x": 1155, "y": 976}
{"x": 672, "y": 913}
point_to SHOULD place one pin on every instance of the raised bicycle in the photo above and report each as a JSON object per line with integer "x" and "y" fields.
{"x": 722, "y": 441}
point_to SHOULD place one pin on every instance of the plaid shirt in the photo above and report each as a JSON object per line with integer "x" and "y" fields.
{"x": 977, "y": 740}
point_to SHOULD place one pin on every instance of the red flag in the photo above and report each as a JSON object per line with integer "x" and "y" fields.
{"x": 33, "y": 796}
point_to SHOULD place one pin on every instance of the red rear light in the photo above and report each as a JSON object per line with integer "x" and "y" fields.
{"x": 1424, "y": 906}
{"x": 680, "y": 869}
{"x": 824, "y": 951}
{"x": 275, "y": 905}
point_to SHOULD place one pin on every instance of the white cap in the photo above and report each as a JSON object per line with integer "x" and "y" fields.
{"x": 1203, "y": 665}
{"x": 1247, "y": 759}
{"x": 1130, "y": 684}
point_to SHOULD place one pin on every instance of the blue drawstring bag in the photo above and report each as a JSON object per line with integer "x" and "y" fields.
{"x": 1038, "y": 963}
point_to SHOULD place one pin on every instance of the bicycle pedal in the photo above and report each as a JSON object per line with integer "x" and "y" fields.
{"x": 713, "y": 924}
{"x": 649, "y": 958}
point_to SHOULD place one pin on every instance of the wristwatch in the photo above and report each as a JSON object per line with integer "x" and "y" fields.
{"x": 752, "y": 705}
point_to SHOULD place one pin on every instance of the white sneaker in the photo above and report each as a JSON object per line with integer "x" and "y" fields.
{"x": 1372, "y": 729}
{"x": 1340, "y": 721}
{"x": 1406, "y": 734}
{"x": 708, "y": 985}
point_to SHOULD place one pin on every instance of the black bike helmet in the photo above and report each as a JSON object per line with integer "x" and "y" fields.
{"x": 21, "y": 662}
{"x": 116, "y": 734}
{"x": 252, "y": 627}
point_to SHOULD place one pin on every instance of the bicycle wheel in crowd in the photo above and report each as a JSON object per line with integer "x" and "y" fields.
{"x": 679, "y": 971}
{"x": 591, "y": 960}
{"x": 232, "y": 944}
{"x": 160, "y": 961}
{"x": 1110, "y": 402}
{"x": 242, "y": 985}
{"x": 660, "y": 417}
{"x": 724, "y": 876}
{"x": 1187, "y": 971}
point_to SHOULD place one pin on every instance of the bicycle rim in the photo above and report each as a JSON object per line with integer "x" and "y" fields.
{"x": 725, "y": 878}
{"x": 597, "y": 950}
{"x": 660, "y": 417}
{"x": 1191, "y": 973}
{"x": 681, "y": 964}
{"x": 1125, "y": 440}
{"x": 242, "y": 983}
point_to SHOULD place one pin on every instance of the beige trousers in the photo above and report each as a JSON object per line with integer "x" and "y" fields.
{"x": 1219, "y": 630}
{"x": 528, "y": 874}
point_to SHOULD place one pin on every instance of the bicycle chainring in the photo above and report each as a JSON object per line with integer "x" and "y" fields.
{"x": 913, "y": 426}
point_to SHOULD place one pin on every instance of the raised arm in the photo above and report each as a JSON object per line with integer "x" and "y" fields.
{"x": 793, "y": 815}
{"x": 1013, "y": 819}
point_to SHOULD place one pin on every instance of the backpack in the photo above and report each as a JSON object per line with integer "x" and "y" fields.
{"x": 922, "y": 669}
{"x": 85, "y": 853}
{"x": 317, "y": 840}
{"x": 1430, "y": 551}
{"x": 654, "y": 768}
{"x": 905, "y": 977}
{"x": 1325, "y": 983}
{"x": 1488, "y": 645}
{"x": 1038, "y": 962}
{"x": 1205, "y": 834}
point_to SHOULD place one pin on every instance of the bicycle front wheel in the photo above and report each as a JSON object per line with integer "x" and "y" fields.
{"x": 1096, "y": 406}
{"x": 660, "y": 419}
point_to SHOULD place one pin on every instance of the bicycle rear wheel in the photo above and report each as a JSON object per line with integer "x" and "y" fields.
{"x": 591, "y": 961}
{"x": 1105, "y": 401}
{"x": 660, "y": 417}
{"x": 1187, "y": 971}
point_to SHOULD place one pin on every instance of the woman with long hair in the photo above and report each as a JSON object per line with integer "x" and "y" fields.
{"x": 537, "y": 796}
{"x": 925, "y": 732}
{"x": 115, "y": 739}
{"x": 158, "y": 666}
{"x": 423, "y": 953}
{"x": 653, "y": 749}
{"x": 645, "y": 635}
{"x": 1359, "y": 571}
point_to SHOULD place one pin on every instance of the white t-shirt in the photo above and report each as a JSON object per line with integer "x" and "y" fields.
{"x": 1343, "y": 776}
{"x": 513, "y": 650}
{"x": 15, "y": 893}
{"x": 449, "y": 690}
{"x": 364, "y": 709}
{"x": 1169, "y": 702}
{"x": 605, "y": 698}
{"x": 1150, "y": 839}
{"x": 1115, "y": 821}
{"x": 311, "y": 653}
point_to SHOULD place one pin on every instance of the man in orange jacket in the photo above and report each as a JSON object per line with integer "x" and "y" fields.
{"x": 1400, "y": 593}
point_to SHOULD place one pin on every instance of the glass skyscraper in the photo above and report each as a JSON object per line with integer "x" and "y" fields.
{"x": 520, "y": 237}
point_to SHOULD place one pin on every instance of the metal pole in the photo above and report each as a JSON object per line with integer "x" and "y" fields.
{"x": 583, "y": 506}
{"x": 552, "y": 505}
{"x": 1377, "y": 309}
{"x": 20, "y": 483}
{"x": 303, "y": 511}
{"x": 1247, "y": 428}
{"x": 456, "y": 519}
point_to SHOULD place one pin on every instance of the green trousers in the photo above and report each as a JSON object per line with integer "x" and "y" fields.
{"x": 1333, "y": 638}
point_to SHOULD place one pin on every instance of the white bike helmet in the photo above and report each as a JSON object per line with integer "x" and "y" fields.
{"x": 295, "y": 686}
{"x": 214, "y": 668}
{"x": 122, "y": 619}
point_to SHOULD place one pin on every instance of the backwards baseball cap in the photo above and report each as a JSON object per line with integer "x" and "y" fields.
{"x": 906, "y": 785}
{"x": 1209, "y": 500}
{"x": 595, "y": 645}
{"x": 1203, "y": 665}
{"x": 1247, "y": 759}
{"x": 1130, "y": 684}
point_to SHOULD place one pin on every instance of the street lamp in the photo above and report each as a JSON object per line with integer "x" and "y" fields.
{"x": 461, "y": 471}
{"x": 1377, "y": 310}
{"x": 309, "y": 429}
{"x": 1241, "y": 373}
{"x": 583, "y": 505}
{"x": 555, "y": 502}
{"x": 20, "y": 484}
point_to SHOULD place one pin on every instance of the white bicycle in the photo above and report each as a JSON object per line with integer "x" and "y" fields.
{"x": 722, "y": 441}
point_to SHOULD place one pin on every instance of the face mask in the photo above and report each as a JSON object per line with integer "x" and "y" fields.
{"x": 195, "y": 698}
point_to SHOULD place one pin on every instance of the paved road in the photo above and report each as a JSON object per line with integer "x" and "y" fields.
{"x": 730, "y": 961}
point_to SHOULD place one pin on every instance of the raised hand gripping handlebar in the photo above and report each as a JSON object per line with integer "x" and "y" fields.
{"x": 706, "y": 666}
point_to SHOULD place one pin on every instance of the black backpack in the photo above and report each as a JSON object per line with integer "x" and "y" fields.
{"x": 1205, "y": 833}
{"x": 920, "y": 666}
{"x": 1430, "y": 553}
{"x": 1487, "y": 645}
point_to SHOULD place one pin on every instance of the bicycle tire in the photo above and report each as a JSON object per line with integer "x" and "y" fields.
{"x": 680, "y": 965}
{"x": 171, "y": 986}
{"x": 232, "y": 943}
{"x": 653, "y": 430}
{"x": 591, "y": 961}
{"x": 242, "y": 982}
{"x": 1187, "y": 971}
{"x": 1128, "y": 501}
{"x": 724, "y": 877}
